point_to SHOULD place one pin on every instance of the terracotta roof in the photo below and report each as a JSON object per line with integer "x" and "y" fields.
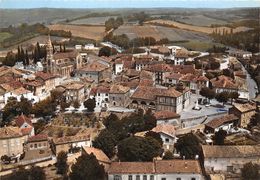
{"x": 171, "y": 75}
{"x": 71, "y": 139}
{"x": 159, "y": 115}
{"x": 64, "y": 55}
{"x": 202, "y": 78}
{"x": 118, "y": 89}
{"x": 20, "y": 91}
{"x": 242, "y": 151}
{"x": 10, "y": 132}
{"x": 146, "y": 74}
{"x": 44, "y": 76}
{"x": 100, "y": 155}
{"x": 221, "y": 120}
{"x": 20, "y": 120}
{"x": 34, "y": 83}
{"x": 165, "y": 128}
{"x": 132, "y": 72}
{"x": 150, "y": 93}
{"x": 38, "y": 137}
{"x": 26, "y": 131}
{"x": 244, "y": 107}
{"x": 188, "y": 77}
{"x": 146, "y": 82}
{"x": 182, "y": 53}
{"x": 224, "y": 82}
{"x": 156, "y": 167}
{"x": 164, "y": 49}
{"x": 73, "y": 85}
{"x": 133, "y": 84}
{"x": 12, "y": 85}
{"x": 94, "y": 67}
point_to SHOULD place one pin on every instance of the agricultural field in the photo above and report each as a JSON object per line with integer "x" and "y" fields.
{"x": 92, "y": 21}
{"x": 4, "y": 35}
{"x": 197, "y": 45}
{"x": 88, "y": 32}
{"x": 207, "y": 30}
{"x": 159, "y": 32}
{"x": 199, "y": 20}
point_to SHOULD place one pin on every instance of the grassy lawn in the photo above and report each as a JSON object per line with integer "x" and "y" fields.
{"x": 197, "y": 45}
{"x": 4, "y": 35}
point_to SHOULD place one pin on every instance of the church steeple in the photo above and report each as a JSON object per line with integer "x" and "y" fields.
{"x": 49, "y": 57}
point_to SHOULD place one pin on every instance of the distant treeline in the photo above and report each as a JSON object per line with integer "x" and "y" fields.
{"x": 113, "y": 23}
{"x": 105, "y": 14}
{"x": 25, "y": 32}
{"x": 124, "y": 42}
{"x": 247, "y": 23}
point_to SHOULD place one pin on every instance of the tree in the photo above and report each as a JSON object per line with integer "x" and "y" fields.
{"x": 250, "y": 171}
{"x": 10, "y": 59}
{"x": 138, "y": 149}
{"x": 208, "y": 93}
{"x": 107, "y": 51}
{"x": 106, "y": 141}
{"x": 255, "y": 120}
{"x": 37, "y": 173}
{"x": 87, "y": 167}
{"x": 76, "y": 104}
{"x": 188, "y": 146}
{"x": 27, "y": 61}
{"x": 154, "y": 135}
{"x": 233, "y": 95}
{"x": 219, "y": 137}
{"x": 90, "y": 104}
{"x": 149, "y": 120}
{"x": 168, "y": 155}
{"x": 222, "y": 97}
{"x": 45, "y": 107}
{"x": 61, "y": 165}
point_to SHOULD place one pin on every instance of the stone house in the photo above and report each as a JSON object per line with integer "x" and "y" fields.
{"x": 101, "y": 95}
{"x": 167, "y": 117}
{"x": 67, "y": 143}
{"x": 25, "y": 124}
{"x": 11, "y": 141}
{"x": 74, "y": 91}
{"x": 244, "y": 112}
{"x": 119, "y": 96}
{"x": 224, "y": 122}
{"x": 156, "y": 170}
{"x": 230, "y": 159}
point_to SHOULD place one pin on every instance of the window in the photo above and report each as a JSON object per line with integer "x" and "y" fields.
{"x": 178, "y": 179}
{"x": 193, "y": 178}
{"x": 117, "y": 177}
{"x": 130, "y": 177}
{"x": 144, "y": 177}
{"x": 151, "y": 177}
{"x": 137, "y": 177}
{"x": 163, "y": 179}
{"x": 166, "y": 140}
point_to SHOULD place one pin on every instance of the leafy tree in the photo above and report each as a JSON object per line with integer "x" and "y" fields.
{"x": 168, "y": 155}
{"x": 250, "y": 171}
{"x": 255, "y": 120}
{"x": 76, "y": 104}
{"x": 188, "y": 146}
{"x": 61, "y": 165}
{"x": 110, "y": 120}
{"x": 45, "y": 107}
{"x": 37, "y": 173}
{"x": 149, "y": 120}
{"x": 106, "y": 141}
{"x": 222, "y": 97}
{"x": 138, "y": 149}
{"x": 219, "y": 137}
{"x": 154, "y": 135}
{"x": 107, "y": 51}
{"x": 10, "y": 59}
{"x": 233, "y": 95}
{"x": 208, "y": 93}
{"x": 228, "y": 72}
{"x": 21, "y": 174}
{"x": 90, "y": 104}
{"x": 87, "y": 167}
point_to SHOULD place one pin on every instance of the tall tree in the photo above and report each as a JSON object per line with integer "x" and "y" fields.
{"x": 106, "y": 141}
{"x": 87, "y": 167}
{"x": 138, "y": 149}
{"x": 27, "y": 61}
{"x": 222, "y": 97}
{"x": 208, "y": 93}
{"x": 90, "y": 104}
{"x": 62, "y": 166}
{"x": 219, "y": 137}
{"x": 188, "y": 146}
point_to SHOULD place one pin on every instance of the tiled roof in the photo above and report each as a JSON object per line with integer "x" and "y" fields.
{"x": 71, "y": 139}
{"x": 242, "y": 151}
{"x": 159, "y": 115}
{"x": 156, "y": 167}
{"x": 165, "y": 128}
{"x": 182, "y": 53}
{"x": 100, "y": 155}
{"x": 146, "y": 75}
{"x": 20, "y": 91}
{"x": 34, "y": 83}
{"x": 26, "y": 131}
{"x": 171, "y": 75}
{"x": 73, "y": 85}
{"x": 44, "y": 76}
{"x": 224, "y": 82}
{"x": 64, "y": 55}
{"x": 20, "y": 120}
{"x": 244, "y": 107}
{"x": 38, "y": 137}
{"x": 10, "y": 132}
{"x": 221, "y": 120}
{"x": 118, "y": 89}
{"x": 94, "y": 67}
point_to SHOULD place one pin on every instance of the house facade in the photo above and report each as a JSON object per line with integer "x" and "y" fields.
{"x": 157, "y": 170}
{"x": 119, "y": 96}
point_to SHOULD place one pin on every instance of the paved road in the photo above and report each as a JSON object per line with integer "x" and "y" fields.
{"x": 251, "y": 84}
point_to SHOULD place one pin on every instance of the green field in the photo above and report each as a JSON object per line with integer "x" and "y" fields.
{"x": 4, "y": 35}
